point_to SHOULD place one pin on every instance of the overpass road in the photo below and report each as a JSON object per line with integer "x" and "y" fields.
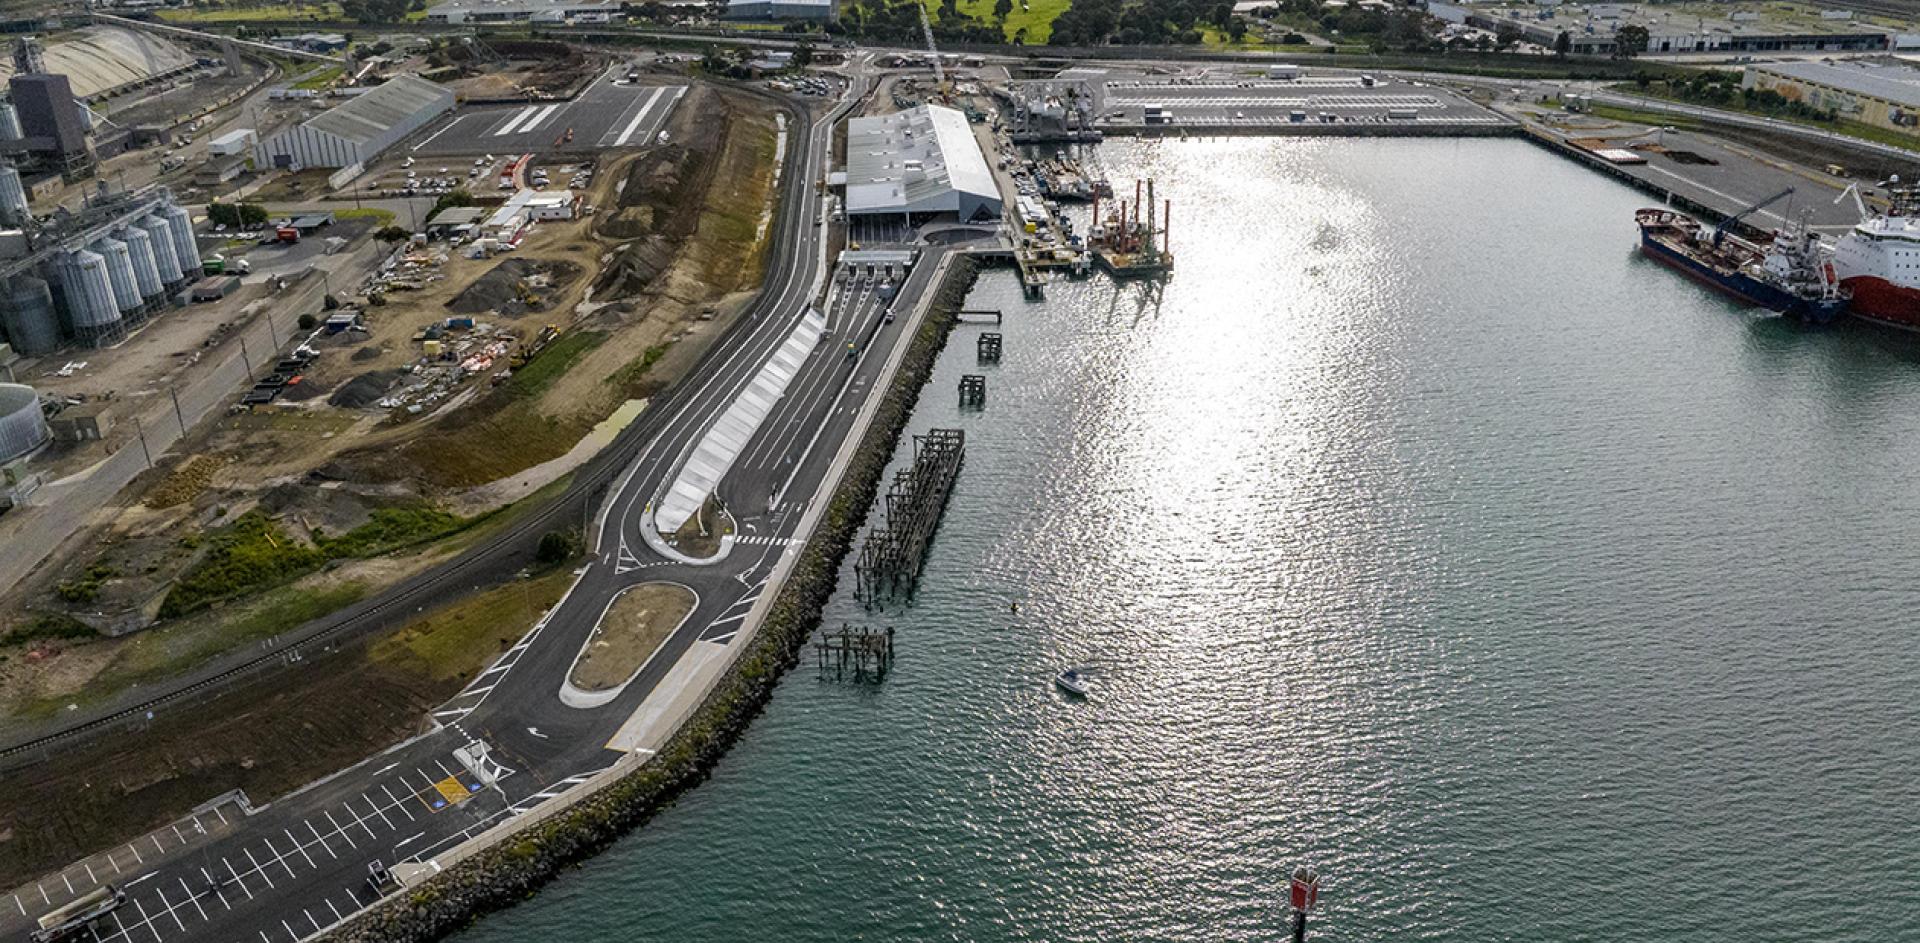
{"x": 510, "y": 742}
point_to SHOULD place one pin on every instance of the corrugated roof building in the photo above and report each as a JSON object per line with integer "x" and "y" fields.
{"x": 357, "y": 131}
{"x": 920, "y": 162}
{"x": 1883, "y": 94}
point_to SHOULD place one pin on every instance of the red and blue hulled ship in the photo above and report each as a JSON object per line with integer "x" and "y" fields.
{"x": 1790, "y": 274}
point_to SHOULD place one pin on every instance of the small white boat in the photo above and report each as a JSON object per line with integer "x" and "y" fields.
{"x": 1072, "y": 682}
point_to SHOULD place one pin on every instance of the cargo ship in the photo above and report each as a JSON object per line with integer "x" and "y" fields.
{"x": 1879, "y": 259}
{"x": 1789, "y": 275}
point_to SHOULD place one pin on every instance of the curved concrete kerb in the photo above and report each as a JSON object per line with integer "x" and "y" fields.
{"x": 660, "y": 546}
{"x": 582, "y": 699}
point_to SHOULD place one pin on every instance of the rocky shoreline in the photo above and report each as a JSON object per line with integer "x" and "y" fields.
{"x": 514, "y": 869}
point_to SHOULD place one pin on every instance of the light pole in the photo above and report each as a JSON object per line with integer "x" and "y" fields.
{"x": 1305, "y": 892}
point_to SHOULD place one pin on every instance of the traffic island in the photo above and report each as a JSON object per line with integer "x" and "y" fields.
{"x": 515, "y": 866}
{"x": 630, "y": 631}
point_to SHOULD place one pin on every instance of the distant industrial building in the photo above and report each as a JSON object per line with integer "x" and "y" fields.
{"x": 523, "y": 11}
{"x": 1884, "y": 94}
{"x": 52, "y": 125}
{"x": 312, "y": 42}
{"x": 824, "y": 11}
{"x": 920, "y": 164}
{"x": 1591, "y": 29}
{"x": 356, "y": 132}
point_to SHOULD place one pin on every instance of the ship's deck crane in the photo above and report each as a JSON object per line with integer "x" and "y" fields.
{"x": 933, "y": 52}
{"x": 1713, "y": 237}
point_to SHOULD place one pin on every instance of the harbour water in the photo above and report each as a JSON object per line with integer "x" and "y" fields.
{"x": 1417, "y": 529}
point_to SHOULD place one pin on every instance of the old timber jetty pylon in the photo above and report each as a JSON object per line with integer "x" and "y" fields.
{"x": 890, "y": 560}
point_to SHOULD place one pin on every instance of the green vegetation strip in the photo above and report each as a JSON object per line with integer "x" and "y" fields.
{"x": 254, "y": 552}
{"x": 505, "y": 874}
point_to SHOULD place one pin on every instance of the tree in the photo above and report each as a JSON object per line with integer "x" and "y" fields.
{"x": 1237, "y": 28}
{"x": 1630, "y": 40}
{"x": 393, "y": 234}
{"x": 1562, "y": 44}
{"x": 307, "y": 322}
{"x": 557, "y": 546}
{"x": 1507, "y": 36}
{"x": 1001, "y": 8}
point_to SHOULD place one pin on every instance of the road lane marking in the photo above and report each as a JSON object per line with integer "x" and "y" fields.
{"x": 638, "y": 116}
{"x": 436, "y": 134}
{"x": 538, "y": 120}
{"x": 520, "y": 116}
{"x": 410, "y": 838}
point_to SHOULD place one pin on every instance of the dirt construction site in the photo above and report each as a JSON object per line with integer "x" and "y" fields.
{"x": 456, "y": 384}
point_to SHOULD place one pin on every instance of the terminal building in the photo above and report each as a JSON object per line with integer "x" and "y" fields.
{"x": 355, "y": 132}
{"x": 821, "y": 11}
{"x": 1885, "y": 94}
{"x": 456, "y": 12}
{"x": 920, "y": 164}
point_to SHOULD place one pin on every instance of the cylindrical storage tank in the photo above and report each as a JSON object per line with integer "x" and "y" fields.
{"x": 126, "y": 292}
{"x": 86, "y": 115}
{"x": 13, "y": 197}
{"x": 27, "y": 315}
{"x": 10, "y": 123}
{"x": 91, "y": 309}
{"x": 164, "y": 255}
{"x": 22, "y": 426}
{"x": 183, "y": 244}
{"x": 146, "y": 272}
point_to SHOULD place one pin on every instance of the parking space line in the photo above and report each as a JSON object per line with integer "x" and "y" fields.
{"x": 157, "y": 847}
{"x": 289, "y": 929}
{"x": 136, "y": 853}
{"x": 309, "y": 913}
{"x": 256, "y": 866}
{"x": 341, "y": 831}
{"x": 195, "y": 900}
{"x": 63, "y": 880}
{"x": 217, "y": 892}
{"x": 376, "y": 810}
{"x": 236, "y": 878}
{"x": 336, "y": 911}
{"x": 297, "y": 847}
{"x": 148, "y": 920}
{"x": 322, "y": 841}
{"x": 347, "y": 808}
{"x": 277, "y": 856}
{"x": 397, "y": 803}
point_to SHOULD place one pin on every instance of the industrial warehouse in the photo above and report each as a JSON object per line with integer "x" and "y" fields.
{"x": 355, "y": 132}
{"x": 918, "y": 164}
{"x": 1885, "y": 94}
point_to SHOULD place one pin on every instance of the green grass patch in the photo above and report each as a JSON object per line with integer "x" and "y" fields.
{"x": 380, "y": 217}
{"x": 1214, "y": 37}
{"x": 1034, "y": 16}
{"x": 457, "y": 640}
{"x": 255, "y": 13}
{"x": 254, "y": 553}
{"x": 320, "y": 78}
{"x": 46, "y": 626}
{"x": 551, "y": 363}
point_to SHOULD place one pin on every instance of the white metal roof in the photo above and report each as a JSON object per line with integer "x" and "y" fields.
{"x": 366, "y": 117}
{"x": 918, "y": 160}
{"x": 1899, "y": 84}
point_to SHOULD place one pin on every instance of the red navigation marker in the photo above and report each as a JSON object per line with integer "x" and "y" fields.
{"x": 1305, "y": 890}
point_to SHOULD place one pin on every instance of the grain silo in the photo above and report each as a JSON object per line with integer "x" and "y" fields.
{"x": 146, "y": 272}
{"x": 93, "y": 316}
{"x": 164, "y": 255}
{"x": 183, "y": 244}
{"x": 27, "y": 315}
{"x": 126, "y": 291}
{"x": 23, "y": 427}
{"x": 13, "y": 197}
{"x": 10, "y": 123}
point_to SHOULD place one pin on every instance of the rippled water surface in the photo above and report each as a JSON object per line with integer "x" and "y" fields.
{"x": 1418, "y": 529}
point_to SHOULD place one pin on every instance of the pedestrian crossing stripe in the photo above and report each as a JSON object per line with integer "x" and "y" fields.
{"x": 755, "y": 540}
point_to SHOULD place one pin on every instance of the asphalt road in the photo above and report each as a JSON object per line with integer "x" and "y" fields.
{"x": 609, "y": 113}
{"x": 509, "y": 743}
